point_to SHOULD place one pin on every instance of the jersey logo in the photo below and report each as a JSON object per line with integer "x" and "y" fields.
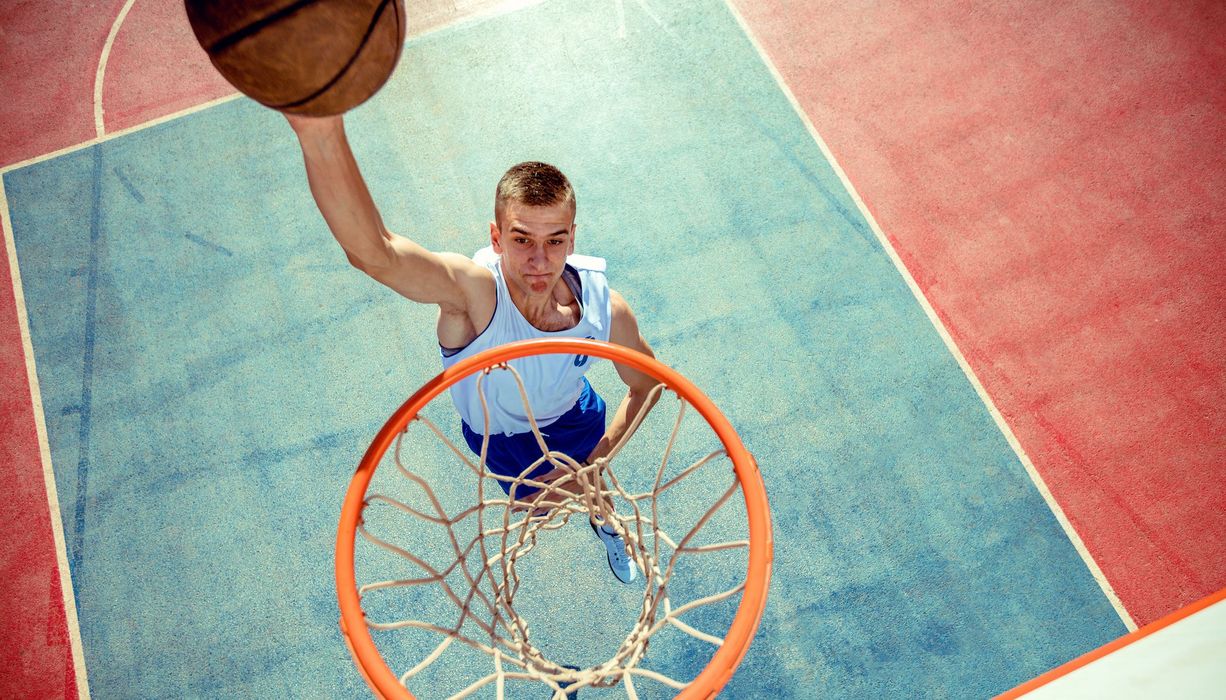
{"x": 581, "y": 360}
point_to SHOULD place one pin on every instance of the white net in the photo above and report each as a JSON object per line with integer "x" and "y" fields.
{"x": 454, "y": 573}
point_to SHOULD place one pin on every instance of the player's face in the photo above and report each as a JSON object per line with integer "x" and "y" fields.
{"x": 534, "y": 243}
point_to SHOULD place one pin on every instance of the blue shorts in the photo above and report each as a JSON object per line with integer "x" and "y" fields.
{"x": 575, "y": 433}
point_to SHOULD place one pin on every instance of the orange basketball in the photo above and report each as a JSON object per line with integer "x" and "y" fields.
{"x": 313, "y": 57}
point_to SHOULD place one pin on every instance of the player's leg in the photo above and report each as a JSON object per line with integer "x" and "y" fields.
{"x": 506, "y": 457}
{"x": 574, "y": 434}
{"x": 577, "y": 433}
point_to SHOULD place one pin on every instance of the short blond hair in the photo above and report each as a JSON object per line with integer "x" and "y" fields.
{"x": 534, "y": 184}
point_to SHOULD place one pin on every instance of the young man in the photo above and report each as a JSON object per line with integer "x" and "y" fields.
{"x": 527, "y": 284}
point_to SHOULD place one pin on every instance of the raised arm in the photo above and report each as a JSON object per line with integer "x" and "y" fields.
{"x": 624, "y": 330}
{"x": 450, "y": 280}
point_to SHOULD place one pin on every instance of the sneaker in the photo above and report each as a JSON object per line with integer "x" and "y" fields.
{"x": 620, "y": 562}
{"x": 574, "y": 695}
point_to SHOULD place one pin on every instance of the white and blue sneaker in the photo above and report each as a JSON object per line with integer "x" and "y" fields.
{"x": 620, "y": 562}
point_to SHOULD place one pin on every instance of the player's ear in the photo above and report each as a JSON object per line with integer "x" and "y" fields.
{"x": 495, "y": 237}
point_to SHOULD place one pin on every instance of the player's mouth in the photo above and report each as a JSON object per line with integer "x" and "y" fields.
{"x": 538, "y": 283}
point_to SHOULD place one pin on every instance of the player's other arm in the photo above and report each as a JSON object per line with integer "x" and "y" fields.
{"x": 624, "y": 330}
{"x": 446, "y": 279}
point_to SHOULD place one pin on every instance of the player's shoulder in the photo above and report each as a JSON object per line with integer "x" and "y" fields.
{"x": 586, "y": 262}
{"x": 623, "y": 326}
{"x": 460, "y": 264}
{"x": 619, "y": 306}
{"x": 485, "y": 257}
{"x": 476, "y": 281}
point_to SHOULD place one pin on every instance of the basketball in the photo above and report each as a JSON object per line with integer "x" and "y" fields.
{"x": 311, "y": 57}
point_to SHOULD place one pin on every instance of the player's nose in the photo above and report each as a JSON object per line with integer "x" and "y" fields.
{"x": 537, "y": 256}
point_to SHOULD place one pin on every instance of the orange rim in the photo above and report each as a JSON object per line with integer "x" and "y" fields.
{"x": 1112, "y": 647}
{"x": 723, "y": 664}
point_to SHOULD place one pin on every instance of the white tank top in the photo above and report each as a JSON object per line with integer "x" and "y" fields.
{"x": 552, "y": 382}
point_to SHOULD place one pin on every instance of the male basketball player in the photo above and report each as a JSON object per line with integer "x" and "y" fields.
{"x": 527, "y": 284}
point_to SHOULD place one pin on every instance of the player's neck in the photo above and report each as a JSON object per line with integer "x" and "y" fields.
{"x": 549, "y": 311}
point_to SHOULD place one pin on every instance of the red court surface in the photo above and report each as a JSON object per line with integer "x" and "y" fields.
{"x": 1054, "y": 182}
{"x": 35, "y": 653}
{"x": 48, "y": 76}
{"x": 153, "y": 68}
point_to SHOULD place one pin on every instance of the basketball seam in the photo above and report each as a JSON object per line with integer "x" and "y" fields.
{"x": 370, "y": 30}
{"x": 230, "y": 39}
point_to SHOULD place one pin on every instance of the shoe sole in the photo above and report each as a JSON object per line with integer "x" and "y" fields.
{"x": 609, "y": 558}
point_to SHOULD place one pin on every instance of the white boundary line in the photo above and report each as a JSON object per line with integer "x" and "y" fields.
{"x": 497, "y": 10}
{"x": 99, "y": 127}
{"x": 122, "y": 132}
{"x": 44, "y": 447}
{"x": 1039, "y": 483}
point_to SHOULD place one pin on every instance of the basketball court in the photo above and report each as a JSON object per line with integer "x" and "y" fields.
{"x": 951, "y": 276}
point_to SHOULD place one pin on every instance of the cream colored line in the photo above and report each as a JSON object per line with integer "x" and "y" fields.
{"x": 102, "y": 136}
{"x": 1039, "y": 483}
{"x": 100, "y": 75}
{"x": 44, "y": 447}
{"x": 123, "y": 132}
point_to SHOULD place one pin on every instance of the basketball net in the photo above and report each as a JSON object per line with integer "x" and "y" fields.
{"x": 507, "y": 529}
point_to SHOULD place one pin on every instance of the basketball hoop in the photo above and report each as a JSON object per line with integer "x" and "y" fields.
{"x": 489, "y": 601}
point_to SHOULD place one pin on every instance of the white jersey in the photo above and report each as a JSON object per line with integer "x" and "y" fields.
{"x": 552, "y": 382}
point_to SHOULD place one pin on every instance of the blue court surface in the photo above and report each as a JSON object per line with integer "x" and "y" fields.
{"x": 212, "y": 369}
